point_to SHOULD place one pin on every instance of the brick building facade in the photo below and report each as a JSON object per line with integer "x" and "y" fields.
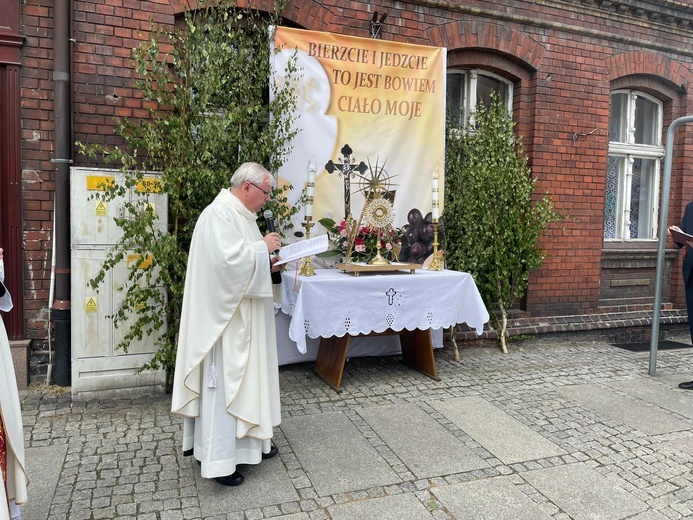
{"x": 578, "y": 71}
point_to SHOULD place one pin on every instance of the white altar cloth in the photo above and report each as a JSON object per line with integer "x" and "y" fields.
{"x": 333, "y": 303}
{"x": 360, "y": 346}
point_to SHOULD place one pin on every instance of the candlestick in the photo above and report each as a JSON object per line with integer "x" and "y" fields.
{"x": 306, "y": 267}
{"x": 436, "y": 264}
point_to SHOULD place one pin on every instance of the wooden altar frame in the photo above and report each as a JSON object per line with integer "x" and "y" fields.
{"x": 417, "y": 353}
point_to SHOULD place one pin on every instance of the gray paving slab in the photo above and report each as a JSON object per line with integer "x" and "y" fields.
{"x": 649, "y": 515}
{"x": 659, "y": 391}
{"x": 685, "y": 445}
{"x": 495, "y": 498}
{"x": 502, "y": 435}
{"x": 425, "y": 446}
{"x": 396, "y": 507}
{"x": 634, "y": 412}
{"x": 265, "y": 484}
{"x": 583, "y": 493}
{"x": 43, "y": 466}
{"x": 335, "y": 455}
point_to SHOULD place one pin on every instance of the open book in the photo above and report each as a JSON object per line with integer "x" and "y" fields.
{"x": 309, "y": 247}
{"x": 680, "y": 237}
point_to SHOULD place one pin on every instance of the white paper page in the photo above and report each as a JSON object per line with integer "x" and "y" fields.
{"x": 304, "y": 248}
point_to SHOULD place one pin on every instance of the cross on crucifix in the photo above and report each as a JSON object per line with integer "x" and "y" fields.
{"x": 347, "y": 169}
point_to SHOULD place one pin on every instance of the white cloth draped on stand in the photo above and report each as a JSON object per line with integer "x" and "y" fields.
{"x": 333, "y": 303}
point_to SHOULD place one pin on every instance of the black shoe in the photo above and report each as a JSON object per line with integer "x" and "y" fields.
{"x": 686, "y": 386}
{"x": 272, "y": 452}
{"x": 231, "y": 480}
{"x": 187, "y": 453}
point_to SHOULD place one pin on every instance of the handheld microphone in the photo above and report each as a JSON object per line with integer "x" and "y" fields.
{"x": 269, "y": 222}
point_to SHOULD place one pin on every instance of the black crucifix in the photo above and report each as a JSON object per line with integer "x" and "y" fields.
{"x": 346, "y": 171}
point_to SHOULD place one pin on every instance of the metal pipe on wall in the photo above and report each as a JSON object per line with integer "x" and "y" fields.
{"x": 61, "y": 306}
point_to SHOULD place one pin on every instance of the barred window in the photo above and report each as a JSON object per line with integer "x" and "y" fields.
{"x": 632, "y": 172}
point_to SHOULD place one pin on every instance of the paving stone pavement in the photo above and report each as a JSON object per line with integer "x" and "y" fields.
{"x": 556, "y": 429}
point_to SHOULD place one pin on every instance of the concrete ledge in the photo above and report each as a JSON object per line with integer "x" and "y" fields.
{"x": 20, "y": 359}
{"x": 609, "y": 325}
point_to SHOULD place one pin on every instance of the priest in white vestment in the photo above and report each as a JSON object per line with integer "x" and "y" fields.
{"x": 226, "y": 380}
{"x": 13, "y": 490}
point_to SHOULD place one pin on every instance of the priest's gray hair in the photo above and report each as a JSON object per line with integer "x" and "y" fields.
{"x": 249, "y": 172}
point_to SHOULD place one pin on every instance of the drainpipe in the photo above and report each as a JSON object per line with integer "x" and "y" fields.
{"x": 61, "y": 309}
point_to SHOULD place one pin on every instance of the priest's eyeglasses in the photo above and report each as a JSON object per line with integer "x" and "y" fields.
{"x": 266, "y": 192}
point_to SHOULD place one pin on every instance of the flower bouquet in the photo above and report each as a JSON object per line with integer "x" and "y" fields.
{"x": 367, "y": 242}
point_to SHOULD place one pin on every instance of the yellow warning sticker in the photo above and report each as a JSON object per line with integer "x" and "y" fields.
{"x": 99, "y": 182}
{"x": 149, "y": 185}
{"x": 100, "y": 208}
{"x": 90, "y": 304}
{"x": 132, "y": 259}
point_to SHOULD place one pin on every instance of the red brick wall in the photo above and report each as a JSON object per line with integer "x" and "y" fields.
{"x": 563, "y": 59}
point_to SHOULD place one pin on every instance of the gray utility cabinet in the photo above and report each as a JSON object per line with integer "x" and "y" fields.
{"x": 98, "y": 368}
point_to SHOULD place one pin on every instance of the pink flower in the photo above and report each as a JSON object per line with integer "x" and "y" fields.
{"x": 360, "y": 248}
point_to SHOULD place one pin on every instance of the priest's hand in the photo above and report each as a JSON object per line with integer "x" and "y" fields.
{"x": 273, "y": 242}
{"x": 273, "y": 261}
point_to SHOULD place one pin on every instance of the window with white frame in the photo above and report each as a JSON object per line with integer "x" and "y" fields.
{"x": 632, "y": 171}
{"x": 466, "y": 88}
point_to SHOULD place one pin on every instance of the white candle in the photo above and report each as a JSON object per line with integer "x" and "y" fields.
{"x": 435, "y": 196}
{"x": 309, "y": 210}
{"x": 310, "y": 188}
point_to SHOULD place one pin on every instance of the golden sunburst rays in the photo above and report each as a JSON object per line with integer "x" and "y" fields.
{"x": 378, "y": 215}
{"x": 375, "y": 182}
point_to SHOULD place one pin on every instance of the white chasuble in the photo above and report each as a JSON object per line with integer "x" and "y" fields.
{"x": 226, "y": 380}
{"x": 15, "y": 488}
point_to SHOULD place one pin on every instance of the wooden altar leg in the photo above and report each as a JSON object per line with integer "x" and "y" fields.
{"x": 329, "y": 363}
{"x": 417, "y": 351}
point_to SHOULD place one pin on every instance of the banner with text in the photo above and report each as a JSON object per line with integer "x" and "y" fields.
{"x": 385, "y": 100}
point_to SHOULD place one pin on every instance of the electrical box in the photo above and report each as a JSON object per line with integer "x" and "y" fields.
{"x": 98, "y": 367}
